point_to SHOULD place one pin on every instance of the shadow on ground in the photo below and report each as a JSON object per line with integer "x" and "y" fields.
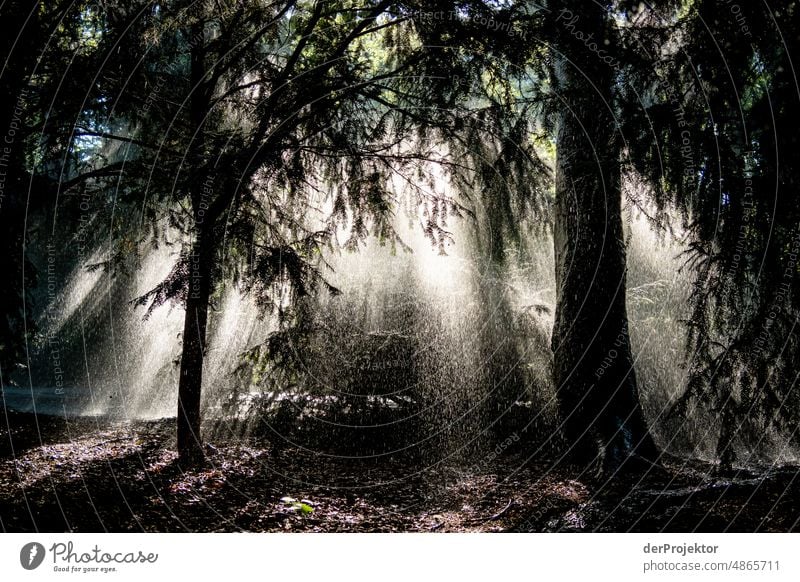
{"x": 92, "y": 476}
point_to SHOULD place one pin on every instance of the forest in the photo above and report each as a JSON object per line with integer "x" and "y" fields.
{"x": 395, "y": 266}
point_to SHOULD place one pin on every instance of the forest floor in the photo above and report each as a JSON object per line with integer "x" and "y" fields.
{"x": 87, "y": 475}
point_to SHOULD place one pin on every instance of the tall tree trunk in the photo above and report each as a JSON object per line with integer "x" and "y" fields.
{"x": 190, "y": 445}
{"x": 593, "y": 366}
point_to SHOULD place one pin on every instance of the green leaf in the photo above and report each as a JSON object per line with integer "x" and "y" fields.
{"x": 304, "y": 507}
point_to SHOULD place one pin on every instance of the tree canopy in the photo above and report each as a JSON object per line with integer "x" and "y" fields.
{"x": 259, "y": 136}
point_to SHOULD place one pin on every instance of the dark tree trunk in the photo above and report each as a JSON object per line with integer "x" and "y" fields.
{"x": 190, "y": 444}
{"x": 593, "y": 366}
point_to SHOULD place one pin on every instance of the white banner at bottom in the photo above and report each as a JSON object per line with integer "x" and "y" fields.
{"x": 377, "y": 557}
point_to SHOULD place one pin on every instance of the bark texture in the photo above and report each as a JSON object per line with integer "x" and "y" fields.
{"x": 593, "y": 366}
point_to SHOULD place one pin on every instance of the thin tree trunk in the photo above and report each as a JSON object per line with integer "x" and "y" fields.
{"x": 195, "y": 324}
{"x": 190, "y": 445}
{"x": 593, "y": 366}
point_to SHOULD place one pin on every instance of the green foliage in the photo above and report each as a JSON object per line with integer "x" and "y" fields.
{"x": 711, "y": 133}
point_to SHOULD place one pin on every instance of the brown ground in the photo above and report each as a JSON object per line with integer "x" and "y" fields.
{"x": 91, "y": 476}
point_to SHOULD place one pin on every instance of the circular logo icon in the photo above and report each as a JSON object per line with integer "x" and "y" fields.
{"x": 31, "y": 555}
